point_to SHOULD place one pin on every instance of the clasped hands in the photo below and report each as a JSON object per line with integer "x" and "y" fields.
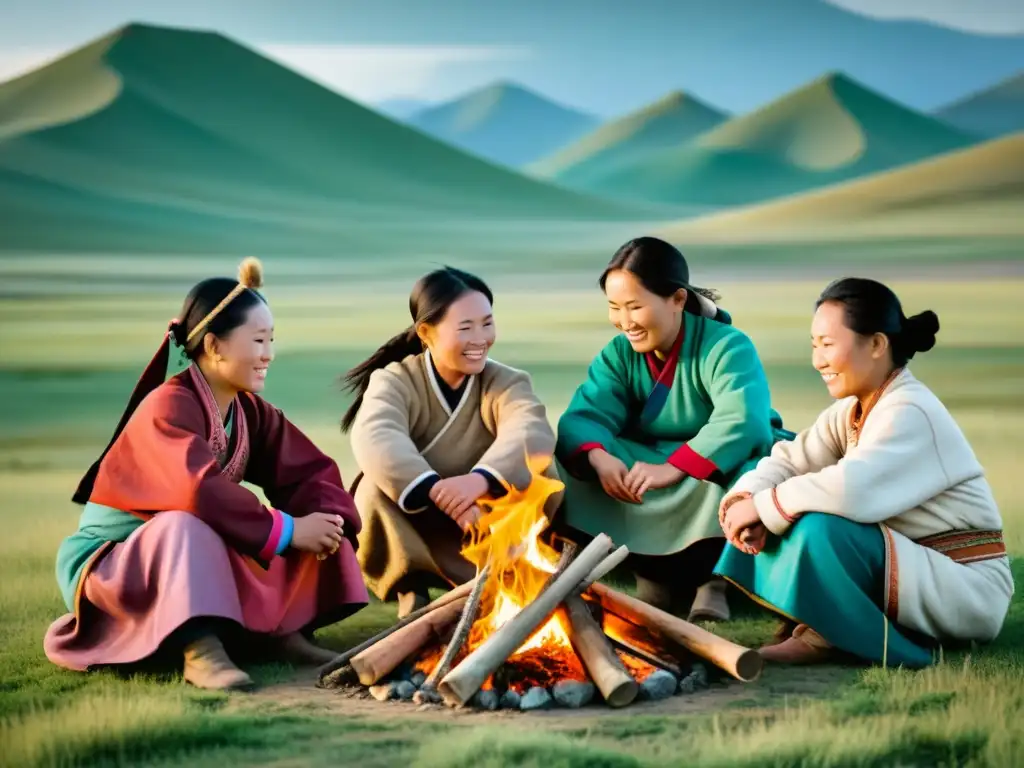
{"x": 320, "y": 533}
{"x": 741, "y": 523}
{"x": 457, "y": 497}
{"x": 630, "y": 484}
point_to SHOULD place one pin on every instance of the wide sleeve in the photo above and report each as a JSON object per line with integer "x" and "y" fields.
{"x": 296, "y": 476}
{"x": 162, "y": 461}
{"x": 895, "y": 467}
{"x": 382, "y": 442}
{"x": 740, "y": 422}
{"x": 811, "y": 450}
{"x": 518, "y": 420}
{"x": 599, "y": 409}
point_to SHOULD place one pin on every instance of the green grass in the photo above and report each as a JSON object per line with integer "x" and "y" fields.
{"x": 68, "y": 358}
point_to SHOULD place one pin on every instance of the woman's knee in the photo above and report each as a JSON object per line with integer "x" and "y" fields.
{"x": 180, "y": 524}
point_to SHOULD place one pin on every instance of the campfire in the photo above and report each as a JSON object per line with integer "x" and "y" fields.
{"x": 536, "y": 629}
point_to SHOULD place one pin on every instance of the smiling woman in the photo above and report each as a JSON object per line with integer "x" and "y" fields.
{"x": 873, "y": 533}
{"x": 171, "y": 550}
{"x": 671, "y": 412}
{"x": 437, "y": 427}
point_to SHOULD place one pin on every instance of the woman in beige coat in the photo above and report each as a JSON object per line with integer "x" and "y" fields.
{"x": 436, "y": 427}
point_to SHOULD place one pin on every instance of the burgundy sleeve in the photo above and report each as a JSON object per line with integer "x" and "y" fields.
{"x": 162, "y": 461}
{"x": 296, "y": 476}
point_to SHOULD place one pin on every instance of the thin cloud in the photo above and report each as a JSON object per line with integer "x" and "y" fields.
{"x": 368, "y": 73}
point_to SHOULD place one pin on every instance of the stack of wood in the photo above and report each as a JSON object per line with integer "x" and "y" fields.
{"x": 574, "y": 589}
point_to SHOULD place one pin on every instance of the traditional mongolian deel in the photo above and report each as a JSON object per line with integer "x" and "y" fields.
{"x": 168, "y": 532}
{"x": 901, "y": 481}
{"x": 705, "y": 409}
{"x": 413, "y": 430}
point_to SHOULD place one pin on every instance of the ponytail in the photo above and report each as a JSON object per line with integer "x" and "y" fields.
{"x": 394, "y": 350}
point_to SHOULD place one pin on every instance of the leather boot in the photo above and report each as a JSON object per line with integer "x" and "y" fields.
{"x": 207, "y": 665}
{"x": 805, "y": 646}
{"x": 296, "y": 648}
{"x": 711, "y": 603}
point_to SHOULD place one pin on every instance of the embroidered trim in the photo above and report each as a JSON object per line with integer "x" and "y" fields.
{"x": 778, "y": 507}
{"x": 892, "y": 570}
{"x": 855, "y": 425}
{"x": 967, "y": 546}
{"x": 232, "y": 467}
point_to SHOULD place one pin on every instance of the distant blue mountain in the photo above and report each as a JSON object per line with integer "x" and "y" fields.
{"x": 400, "y": 109}
{"x": 608, "y": 57}
{"x": 504, "y": 123}
{"x": 994, "y": 111}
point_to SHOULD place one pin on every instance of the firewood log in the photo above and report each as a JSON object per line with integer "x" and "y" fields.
{"x": 344, "y": 658}
{"x": 603, "y": 665}
{"x": 381, "y": 658}
{"x": 742, "y": 663}
{"x": 459, "y": 685}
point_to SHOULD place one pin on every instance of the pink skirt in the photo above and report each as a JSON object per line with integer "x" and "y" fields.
{"x": 176, "y": 568}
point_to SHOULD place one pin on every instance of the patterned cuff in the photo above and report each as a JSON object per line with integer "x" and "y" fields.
{"x": 287, "y": 530}
{"x": 775, "y": 518}
{"x": 276, "y": 529}
{"x": 692, "y": 463}
{"x": 495, "y": 488}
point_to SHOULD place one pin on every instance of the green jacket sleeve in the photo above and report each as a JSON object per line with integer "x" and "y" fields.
{"x": 597, "y": 413}
{"x": 740, "y": 423}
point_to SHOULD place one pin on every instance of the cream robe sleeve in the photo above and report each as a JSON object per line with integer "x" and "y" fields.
{"x": 812, "y": 450}
{"x": 895, "y": 467}
{"x": 381, "y": 441}
{"x": 517, "y": 418}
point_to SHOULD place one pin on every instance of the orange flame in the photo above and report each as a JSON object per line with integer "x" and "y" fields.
{"x": 507, "y": 537}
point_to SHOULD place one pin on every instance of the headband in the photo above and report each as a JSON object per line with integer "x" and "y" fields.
{"x": 250, "y": 275}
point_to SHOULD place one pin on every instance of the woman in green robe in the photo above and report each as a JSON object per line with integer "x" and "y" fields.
{"x": 672, "y": 411}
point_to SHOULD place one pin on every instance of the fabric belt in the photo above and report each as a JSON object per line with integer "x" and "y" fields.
{"x": 967, "y": 546}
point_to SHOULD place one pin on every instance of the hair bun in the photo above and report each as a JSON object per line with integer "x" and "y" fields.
{"x": 921, "y": 329}
{"x": 250, "y": 272}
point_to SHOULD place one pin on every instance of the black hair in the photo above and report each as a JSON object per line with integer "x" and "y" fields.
{"x": 429, "y": 301}
{"x": 203, "y": 299}
{"x": 660, "y": 267}
{"x": 871, "y": 307}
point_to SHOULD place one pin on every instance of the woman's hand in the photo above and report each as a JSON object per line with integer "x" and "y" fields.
{"x": 643, "y": 477}
{"x": 753, "y": 539}
{"x": 612, "y": 474}
{"x": 740, "y": 516}
{"x": 455, "y": 495}
{"x": 320, "y": 533}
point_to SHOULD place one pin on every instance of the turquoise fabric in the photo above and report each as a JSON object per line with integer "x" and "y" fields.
{"x": 828, "y": 572}
{"x": 97, "y": 526}
{"x": 718, "y": 404}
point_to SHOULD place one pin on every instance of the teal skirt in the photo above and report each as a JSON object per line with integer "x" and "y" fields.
{"x": 829, "y": 573}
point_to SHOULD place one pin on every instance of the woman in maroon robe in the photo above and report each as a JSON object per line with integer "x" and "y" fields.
{"x": 171, "y": 549}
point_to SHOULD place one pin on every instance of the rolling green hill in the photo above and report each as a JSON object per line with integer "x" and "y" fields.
{"x": 829, "y": 130}
{"x": 994, "y": 111}
{"x": 671, "y": 121}
{"x": 504, "y": 123}
{"x": 163, "y": 140}
{"x": 975, "y": 192}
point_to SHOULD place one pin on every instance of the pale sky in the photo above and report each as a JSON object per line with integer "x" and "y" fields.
{"x": 37, "y": 31}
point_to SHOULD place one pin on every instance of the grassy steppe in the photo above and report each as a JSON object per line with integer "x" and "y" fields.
{"x": 71, "y": 347}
